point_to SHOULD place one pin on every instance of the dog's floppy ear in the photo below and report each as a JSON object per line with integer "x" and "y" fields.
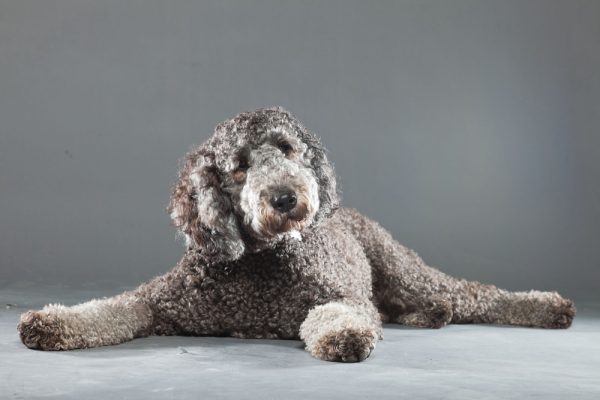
{"x": 329, "y": 197}
{"x": 203, "y": 213}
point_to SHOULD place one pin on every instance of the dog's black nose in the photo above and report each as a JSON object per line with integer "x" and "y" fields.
{"x": 284, "y": 200}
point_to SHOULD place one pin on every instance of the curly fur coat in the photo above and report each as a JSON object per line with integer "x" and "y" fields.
{"x": 271, "y": 255}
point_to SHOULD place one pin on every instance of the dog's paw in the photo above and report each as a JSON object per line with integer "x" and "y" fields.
{"x": 346, "y": 345}
{"x": 41, "y": 330}
{"x": 436, "y": 314}
{"x": 560, "y": 313}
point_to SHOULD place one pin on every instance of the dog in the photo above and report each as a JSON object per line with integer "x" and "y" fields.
{"x": 271, "y": 254}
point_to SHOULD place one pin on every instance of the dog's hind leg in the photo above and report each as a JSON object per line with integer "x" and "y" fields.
{"x": 479, "y": 303}
{"x": 408, "y": 291}
{"x": 94, "y": 323}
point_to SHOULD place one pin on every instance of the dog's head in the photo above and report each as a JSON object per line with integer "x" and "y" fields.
{"x": 260, "y": 177}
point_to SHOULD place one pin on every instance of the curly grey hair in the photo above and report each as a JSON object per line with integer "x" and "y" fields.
{"x": 270, "y": 254}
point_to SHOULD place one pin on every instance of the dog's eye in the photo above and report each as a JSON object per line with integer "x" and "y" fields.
{"x": 286, "y": 148}
{"x": 243, "y": 165}
{"x": 239, "y": 174}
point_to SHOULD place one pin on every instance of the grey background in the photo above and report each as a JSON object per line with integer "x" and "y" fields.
{"x": 470, "y": 129}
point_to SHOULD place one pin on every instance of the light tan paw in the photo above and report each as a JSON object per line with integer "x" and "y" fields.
{"x": 560, "y": 314}
{"x": 346, "y": 345}
{"x": 41, "y": 330}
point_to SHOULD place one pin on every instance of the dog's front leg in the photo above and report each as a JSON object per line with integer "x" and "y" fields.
{"x": 94, "y": 323}
{"x": 341, "y": 331}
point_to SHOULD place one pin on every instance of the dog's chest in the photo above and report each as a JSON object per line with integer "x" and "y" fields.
{"x": 261, "y": 295}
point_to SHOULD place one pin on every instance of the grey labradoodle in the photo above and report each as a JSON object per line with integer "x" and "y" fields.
{"x": 270, "y": 254}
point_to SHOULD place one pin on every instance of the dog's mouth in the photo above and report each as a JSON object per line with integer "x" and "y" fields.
{"x": 293, "y": 220}
{"x": 274, "y": 223}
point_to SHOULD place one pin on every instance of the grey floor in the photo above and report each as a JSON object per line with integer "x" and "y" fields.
{"x": 457, "y": 362}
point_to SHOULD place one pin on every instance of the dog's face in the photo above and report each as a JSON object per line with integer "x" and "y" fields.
{"x": 262, "y": 176}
